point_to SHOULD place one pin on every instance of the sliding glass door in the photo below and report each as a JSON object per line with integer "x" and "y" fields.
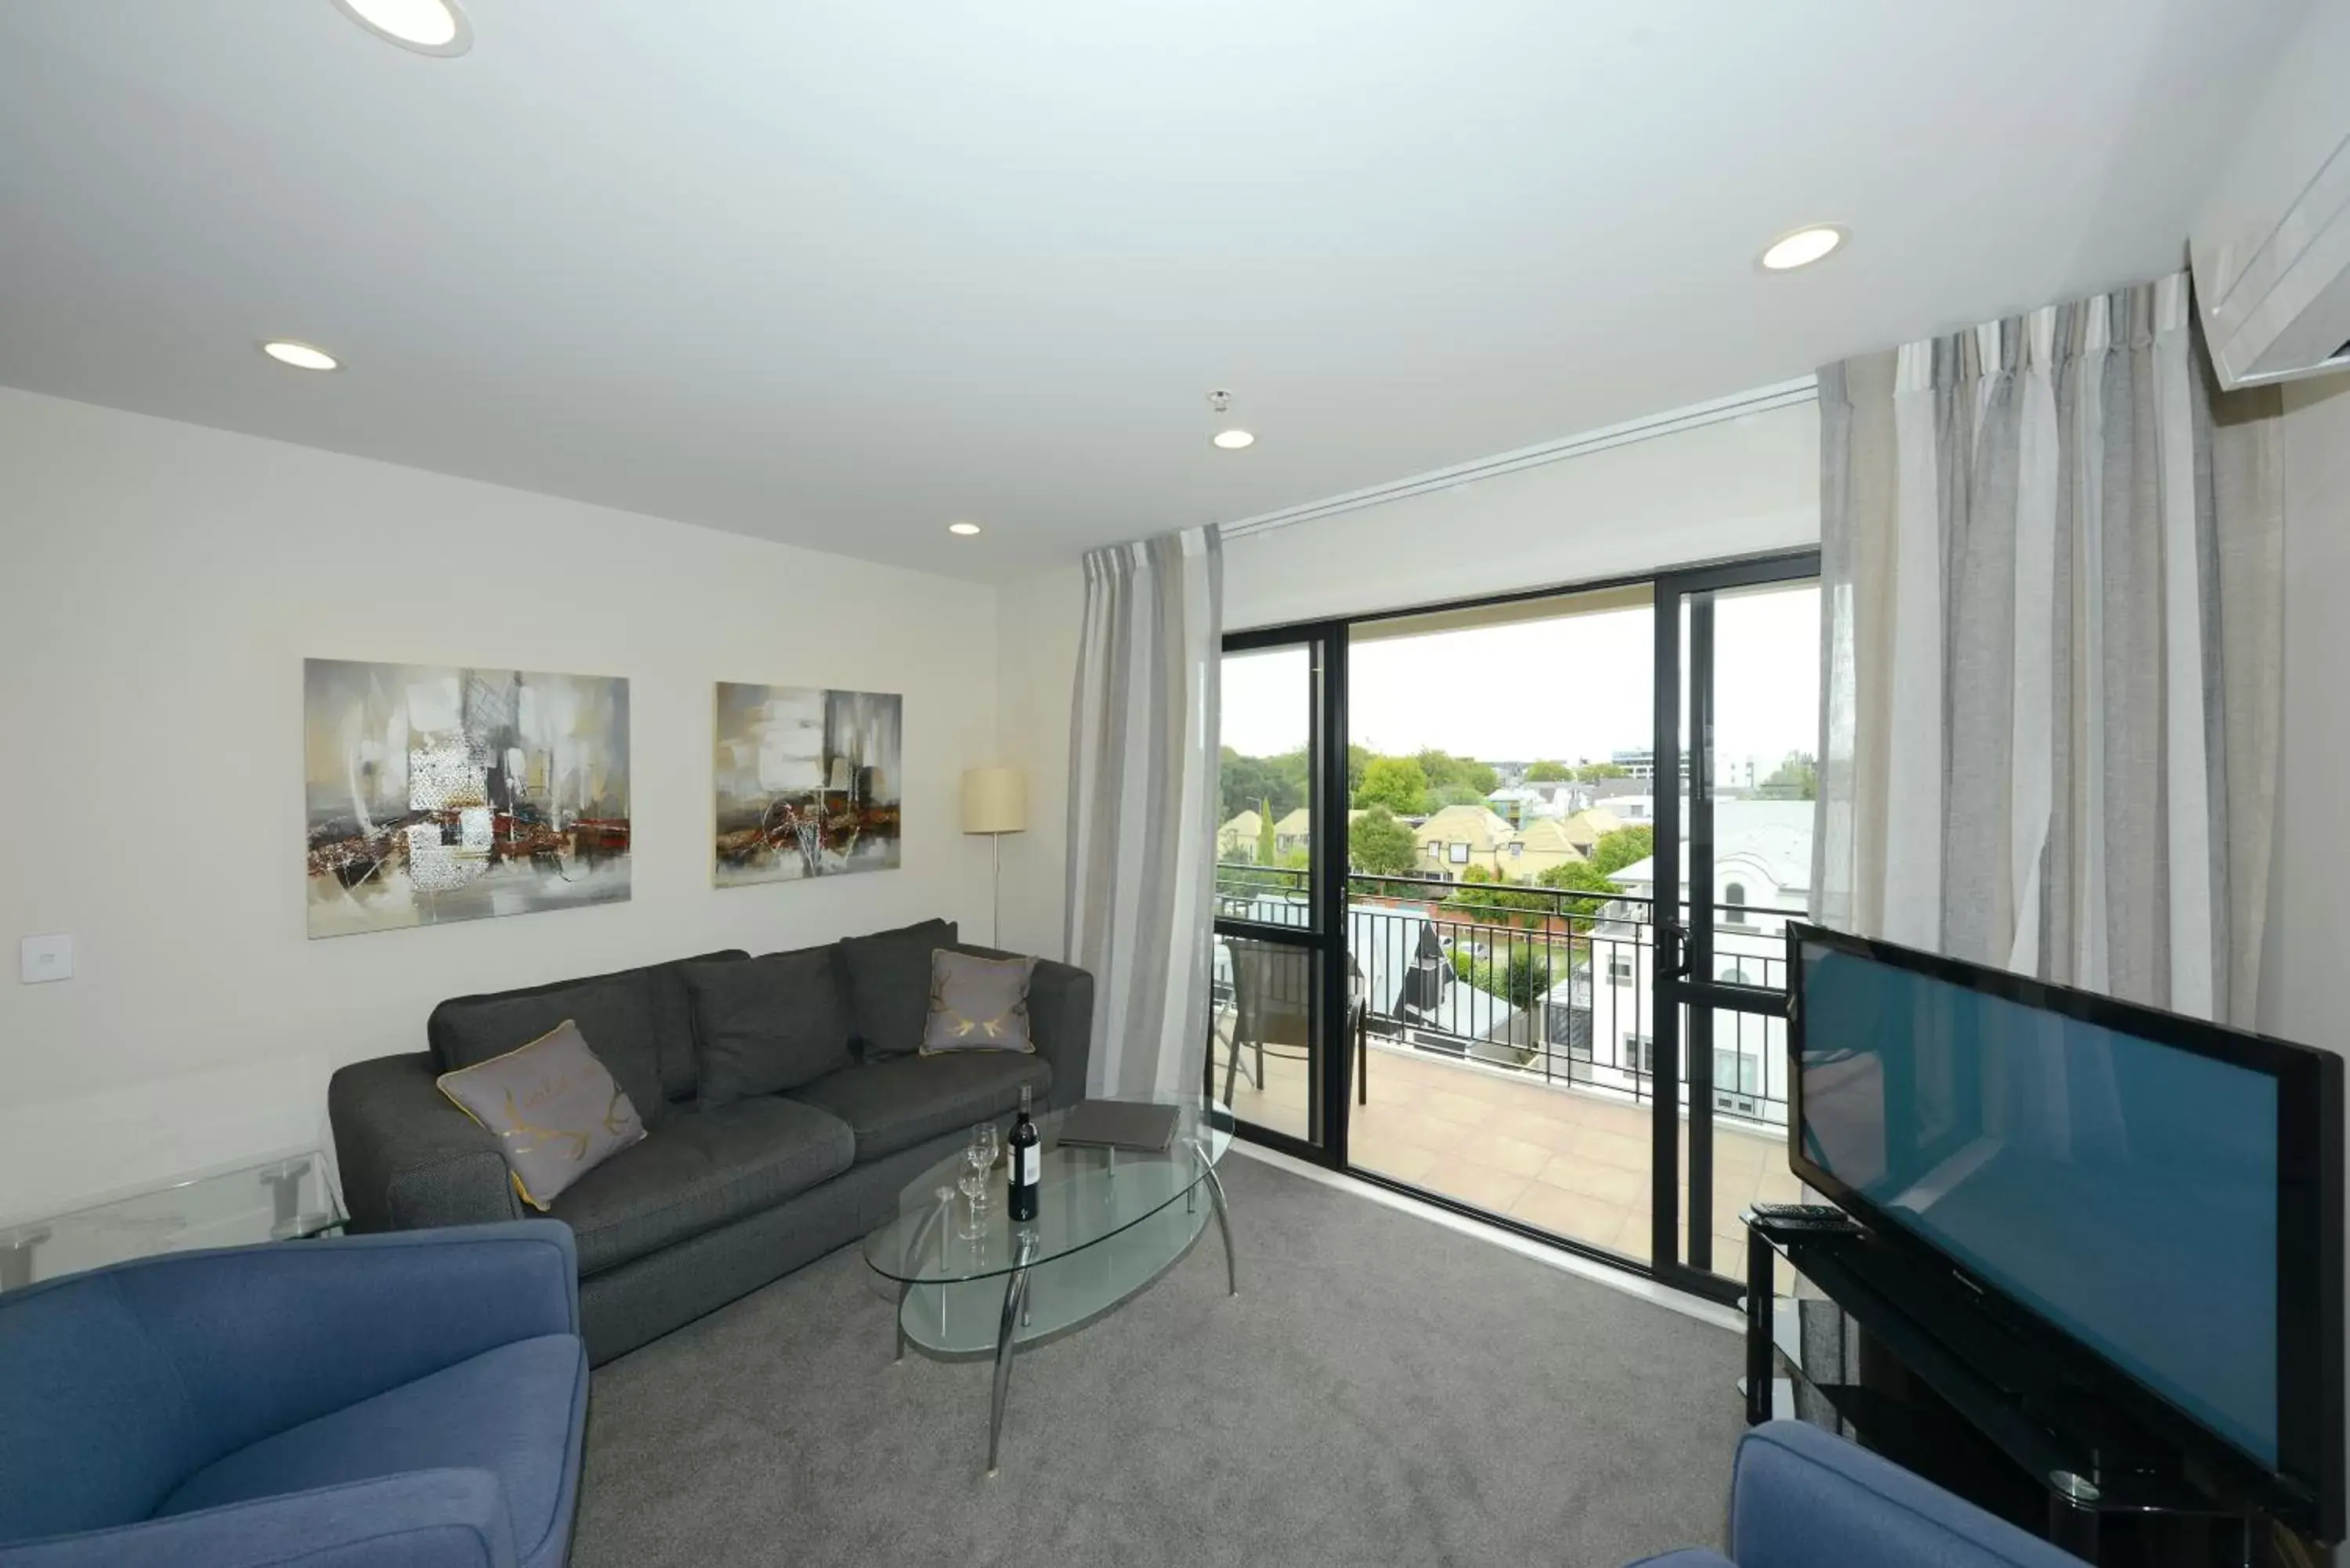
{"x": 1738, "y": 666}
{"x": 1273, "y": 1044}
{"x": 1502, "y": 889}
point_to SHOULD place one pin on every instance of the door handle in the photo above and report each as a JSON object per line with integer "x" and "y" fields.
{"x": 1672, "y": 942}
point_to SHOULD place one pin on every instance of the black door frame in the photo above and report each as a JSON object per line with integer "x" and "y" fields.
{"x": 1680, "y": 963}
{"x": 1327, "y": 642}
{"x": 1326, "y": 934}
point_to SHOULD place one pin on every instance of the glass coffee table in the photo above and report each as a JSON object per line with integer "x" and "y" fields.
{"x": 1108, "y": 1222}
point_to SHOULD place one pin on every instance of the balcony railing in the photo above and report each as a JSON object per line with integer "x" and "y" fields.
{"x": 1549, "y": 982}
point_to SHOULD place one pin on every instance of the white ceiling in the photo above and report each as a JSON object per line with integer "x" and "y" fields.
{"x": 838, "y": 272}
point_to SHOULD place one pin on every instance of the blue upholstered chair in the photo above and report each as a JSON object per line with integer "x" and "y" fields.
{"x": 411, "y": 1399}
{"x": 1801, "y": 1498}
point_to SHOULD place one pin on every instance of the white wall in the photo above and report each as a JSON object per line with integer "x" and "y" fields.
{"x": 1742, "y": 487}
{"x": 160, "y": 587}
{"x": 1036, "y": 668}
{"x": 1737, "y": 488}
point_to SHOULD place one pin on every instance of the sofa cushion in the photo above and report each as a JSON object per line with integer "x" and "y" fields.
{"x": 703, "y": 1169}
{"x": 888, "y": 975}
{"x": 768, "y": 1023}
{"x": 896, "y": 1104}
{"x": 667, "y": 1006}
{"x": 515, "y": 1411}
{"x": 614, "y": 1017}
{"x": 977, "y": 1004}
{"x": 554, "y": 1107}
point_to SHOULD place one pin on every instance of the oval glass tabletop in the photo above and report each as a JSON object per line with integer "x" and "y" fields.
{"x": 1088, "y": 1194}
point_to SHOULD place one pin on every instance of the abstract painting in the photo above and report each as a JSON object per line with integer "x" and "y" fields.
{"x": 807, "y": 782}
{"x": 437, "y": 793}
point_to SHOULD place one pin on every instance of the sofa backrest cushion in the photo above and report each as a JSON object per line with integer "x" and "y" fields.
{"x": 888, "y": 976}
{"x": 667, "y": 1023}
{"x": 766, "y": 1024}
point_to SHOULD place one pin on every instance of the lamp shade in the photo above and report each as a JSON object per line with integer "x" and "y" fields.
{"x": 995, "y": 800}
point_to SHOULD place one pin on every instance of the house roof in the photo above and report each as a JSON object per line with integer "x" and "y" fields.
{"x": 1298, "y": 822}
{"x": 1588, "y": 825}
{"x": 1773, "y": 836}
{"x": 1248, "y": 824}
{"x": 1551, "y": 836}
{"x": 1471, "y": 825}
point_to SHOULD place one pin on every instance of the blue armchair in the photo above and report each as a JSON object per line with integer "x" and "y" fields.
{"x": 412, "y": 1398}
{"x": 1803, "y": 1497}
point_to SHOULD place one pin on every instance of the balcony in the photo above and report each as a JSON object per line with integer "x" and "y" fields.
{"x": 1509, "y": 1056}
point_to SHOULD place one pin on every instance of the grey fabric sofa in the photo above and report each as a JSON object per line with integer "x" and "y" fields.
{"x": 718, "y": 1199}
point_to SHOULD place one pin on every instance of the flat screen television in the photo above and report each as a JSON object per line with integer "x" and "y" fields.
{"x": 2163, "y": 1193}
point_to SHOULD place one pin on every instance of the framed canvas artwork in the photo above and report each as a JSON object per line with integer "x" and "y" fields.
{"x": 438, "y": 793}
{"x": 805, "y": 783}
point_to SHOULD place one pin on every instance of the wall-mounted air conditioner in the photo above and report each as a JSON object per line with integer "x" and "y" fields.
{"x": 2270, "y": 247}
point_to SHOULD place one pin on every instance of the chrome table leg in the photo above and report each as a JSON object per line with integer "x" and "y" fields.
{"x": 1016, "y": 1304}
{"x": 1224, "y": 1223}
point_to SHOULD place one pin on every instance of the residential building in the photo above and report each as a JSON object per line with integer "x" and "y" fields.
{"x": 1459, "y": 836}
{"x": 1240, "y": 838}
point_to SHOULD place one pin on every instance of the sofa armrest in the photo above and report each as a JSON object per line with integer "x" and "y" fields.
{"x": 260, "y": 1339}
{"x": 1061, "y": 1021}
{"x": 408, "y": 1157}
{"x": 1800, "y": 1497}
{"x": 425, "y": 1519}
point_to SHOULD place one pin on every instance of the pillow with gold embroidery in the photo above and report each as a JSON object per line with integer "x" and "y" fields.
{"x": 558, "y": 1111}
{"x": 977, "y": 1004}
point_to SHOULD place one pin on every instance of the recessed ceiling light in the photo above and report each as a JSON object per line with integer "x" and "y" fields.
{"x": 965, "y": 529}
{"x": 301, "y": 356}
{"x": 1232, "y": 441}
{"x": 1802, "y": 248}
{"x": 427, "y": 27}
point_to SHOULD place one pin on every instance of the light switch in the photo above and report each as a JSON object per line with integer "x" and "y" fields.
{"x": 47, "y": 957}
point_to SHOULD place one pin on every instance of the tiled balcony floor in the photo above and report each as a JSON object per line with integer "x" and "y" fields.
{"x": 1570, "y": 1162}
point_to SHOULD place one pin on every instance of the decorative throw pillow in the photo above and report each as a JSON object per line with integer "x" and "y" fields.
{"x": 766, "y": 1025}
{"x": 977, "y": 1004}
{"x": 888, "y": 975}
{"x": 557, "y": 1112}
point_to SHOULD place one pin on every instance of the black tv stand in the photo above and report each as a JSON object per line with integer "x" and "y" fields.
{"x": 1901, "y": 1355}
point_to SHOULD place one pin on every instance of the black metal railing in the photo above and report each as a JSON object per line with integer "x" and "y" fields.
{"x": 1555, "y": 983}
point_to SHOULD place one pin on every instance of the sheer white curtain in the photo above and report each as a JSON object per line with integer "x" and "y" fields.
{"x": 1142, "y": 808}
{"x": 2051, "y": 558}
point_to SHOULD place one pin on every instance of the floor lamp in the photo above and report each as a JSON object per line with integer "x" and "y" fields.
{"x": 995, "y": 802}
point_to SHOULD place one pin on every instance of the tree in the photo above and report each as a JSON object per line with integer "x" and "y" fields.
{"x": 1443, "y": 768}
{"x": 1580, "y": 876}
{"x": 1548, "y": 773}
{"x": 1396, "y": 783}
{"x": 1520, "y": 977}
{"x": 1458, "y": 794}
{"x": 1380, "y": 846}
{"x": 1489, "y": 899}
{"x": 1275, "y": 784}
{"x": 1615, "y": 851}
{"x": 1267, "y": 841}
{"x": 1592, "y": 773}
{"x": 1797, "y": 778}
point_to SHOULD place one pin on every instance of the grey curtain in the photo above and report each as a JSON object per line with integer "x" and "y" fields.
{"x": 1142, "y": 808}
{"x": 2051, "y": 557}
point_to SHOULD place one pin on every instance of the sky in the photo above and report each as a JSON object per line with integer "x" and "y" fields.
{"x": 1570, "y": 688}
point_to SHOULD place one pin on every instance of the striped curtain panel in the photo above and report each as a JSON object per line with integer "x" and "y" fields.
{"x": 1142, "y": 808}
{"x": 2051, "y": 558}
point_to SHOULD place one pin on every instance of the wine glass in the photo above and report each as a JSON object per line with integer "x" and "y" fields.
{"x": 979, "y": 1152}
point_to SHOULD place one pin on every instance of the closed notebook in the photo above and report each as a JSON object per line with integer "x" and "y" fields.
{"x": 1120, "y": 1124}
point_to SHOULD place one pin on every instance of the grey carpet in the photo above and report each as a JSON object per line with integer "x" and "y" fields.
{"x": 1383, "y": 1390}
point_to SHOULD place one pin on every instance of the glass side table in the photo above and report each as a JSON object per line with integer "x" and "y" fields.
{"x": 281, "y": 1199}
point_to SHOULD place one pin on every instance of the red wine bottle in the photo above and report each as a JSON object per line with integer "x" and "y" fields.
{"x": 1027, "y": 1175}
